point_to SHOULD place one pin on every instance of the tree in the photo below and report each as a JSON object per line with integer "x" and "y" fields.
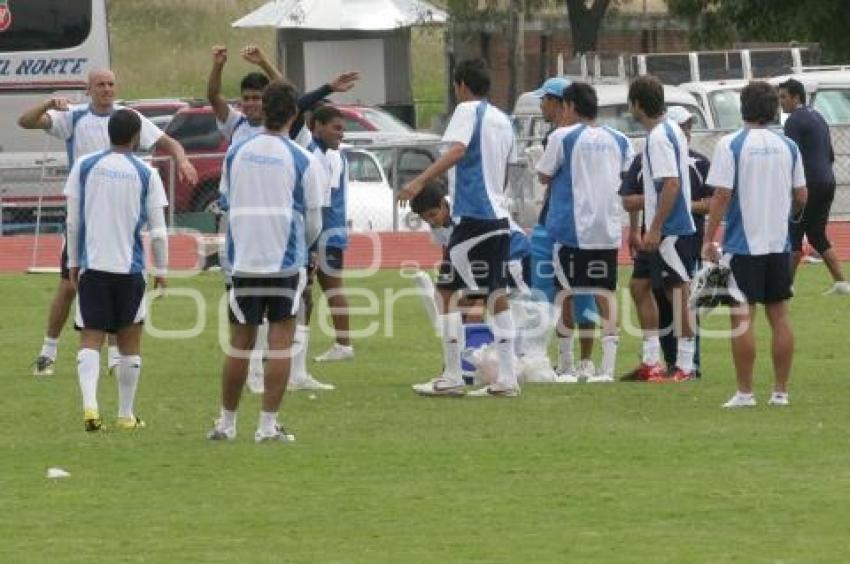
{"x": 585, "y": 20}
{"x": 717, "y": 23}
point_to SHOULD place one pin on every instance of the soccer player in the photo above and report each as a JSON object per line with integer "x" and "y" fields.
{"x": 551, "y": 94}
{"x": 328, "y": 129}
{"x": 111, "y": 195}
{"x": 810, "y": 131}
{"x": 481, "y": 145}
{"x": 758, "y": 178}
{"x": 238, "y": 125}
{"x": 583, "y": 164}
{"x": 665, "y": 255}
{"x": 272, "y": 191}
{"x": 632, "y": 192}
{"x": 84, "y": 128}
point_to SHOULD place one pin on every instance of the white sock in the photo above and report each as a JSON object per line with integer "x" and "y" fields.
{"x": 129, "y": 368}
{"x": 88, "y": 371}
{"x": 228, "y": 419}
{"x": 48, "y": 347}
{"x": 504, "y": 333}
{"x": 651, "y": 350}
{"x": 609, "y": 354}
{"x": 566, "y": 360}
{"x": 685, "y": 348}
{"x": 268, "y": 422}
{"x": 298, "y": 370}
{"x": 453, "y": 343}
{"x": 113, "y": 357}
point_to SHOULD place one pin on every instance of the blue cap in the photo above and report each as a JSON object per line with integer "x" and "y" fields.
{"x": 553, "y": 87}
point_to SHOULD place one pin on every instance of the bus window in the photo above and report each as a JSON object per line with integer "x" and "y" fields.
{"x": 47, "y": 25}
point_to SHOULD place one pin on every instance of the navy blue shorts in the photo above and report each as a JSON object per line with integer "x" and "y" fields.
{"x": 673, "y": 263}
{"x": 762, "y": 279}
{"x": 108, "y": 302}
{"x": 255, "y": 299}
{"x": 477, "y": 256}
{"x": 585, "y": 268}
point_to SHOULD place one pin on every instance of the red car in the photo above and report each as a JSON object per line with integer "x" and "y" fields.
{"x": 195, "y": 128}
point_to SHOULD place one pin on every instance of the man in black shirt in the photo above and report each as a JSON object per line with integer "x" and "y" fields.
{"x": 632, "y": 192}
{"x": 811, "y": 133}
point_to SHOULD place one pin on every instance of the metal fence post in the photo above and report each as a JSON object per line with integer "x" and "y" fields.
{"x": 396, "y": 188}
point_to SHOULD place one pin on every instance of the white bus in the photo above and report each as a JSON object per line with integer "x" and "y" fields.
{"x": 47, "y": 47}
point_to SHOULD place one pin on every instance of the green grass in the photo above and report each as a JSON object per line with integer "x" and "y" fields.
{"x": 161, "y": 48}
{"x": 620, "y": 473}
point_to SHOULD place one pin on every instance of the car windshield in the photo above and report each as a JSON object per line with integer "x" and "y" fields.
{"x": 362, "y": 168}
{"x": 726, "y": 105}
{"x": 385, "y": 122}
{"x": 834, "y": 105}
{"x": 620, "y": 118}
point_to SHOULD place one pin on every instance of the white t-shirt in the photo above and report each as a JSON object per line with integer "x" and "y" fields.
{"x": 761, "y": 167}
{"x": 585, "y": 163}
{"x": 477, "y": 182}
{"x": 267, "y": 184}
{"x": 86, "y": 132}
{"x": 236, "y": 128}
{"x": 117, "y": 192}
{"x": 665, "y": 155}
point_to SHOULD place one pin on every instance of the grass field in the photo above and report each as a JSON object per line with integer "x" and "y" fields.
{"x": 618, "y": 473}
{"x": 161, "y": 48}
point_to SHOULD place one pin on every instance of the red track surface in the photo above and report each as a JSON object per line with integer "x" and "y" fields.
{"x": 384, "y": 250}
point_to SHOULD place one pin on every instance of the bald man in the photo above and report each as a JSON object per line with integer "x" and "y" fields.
{"x": 84, "y": 128}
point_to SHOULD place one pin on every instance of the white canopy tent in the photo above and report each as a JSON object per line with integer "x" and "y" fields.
{"x": 318, "y": 39}
{"x": 338, "y": 15}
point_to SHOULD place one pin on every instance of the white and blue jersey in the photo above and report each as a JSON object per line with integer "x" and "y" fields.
{"x": 334, "y": 224}
{"x": 116, "y": 194}
{"x": 762, "y": 168}
{"x": 477, "y": 181}
{"x": 267, "y": 184}
{"x": 85, "y": 131}
{"x": 236, "y": 128}
{"x": 665, "y": 155}
{"x": 585, "y": 164}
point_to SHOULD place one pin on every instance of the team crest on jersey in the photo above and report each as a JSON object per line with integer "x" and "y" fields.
{"x": 5, "y": 15}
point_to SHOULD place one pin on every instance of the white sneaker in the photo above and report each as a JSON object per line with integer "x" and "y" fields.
{"x": 219, "y": 433}
{"x": 279, "y": 435}
{"x": 600, "y": 379}
{"x": 309, "y": 383}
{"x": 585, "y": 370}
{"x": 336, "y": 353}
{"x": 496, "y": 391}
{"x": 741, "y": 400}
{"x": 838, "y": 289}
{"x": 566, "y": 378}
{"x": 441, "y": 386}
{"x": 779, "y": 399}
{"x": 811, "y": 259}
{"x": 256, "y": 382}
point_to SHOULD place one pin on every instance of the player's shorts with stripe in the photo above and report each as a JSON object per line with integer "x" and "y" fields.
{"x": 585, "y": 268}
{"x": 672, "y": 263}
{"x": 108, "y": 302}
{"x": 253, "y": 299}
{"x": 330, "y": 260}
{"x": 762, "y": 279}
{"x": 477, "y": 257}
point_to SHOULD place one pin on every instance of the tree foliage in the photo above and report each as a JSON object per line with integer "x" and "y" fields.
{"x": 717, "y": 23}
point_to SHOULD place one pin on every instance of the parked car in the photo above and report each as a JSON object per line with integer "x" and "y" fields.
{"x": 720, "y": 101}
{"x": 158, "y": 110}
{"x": 613, "y": 111}
{"x": 365, "y": 125}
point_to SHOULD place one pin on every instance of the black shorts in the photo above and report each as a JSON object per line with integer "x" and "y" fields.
{"x": 255, "y": 299}
{"x": 814, "y": 218}
{"x": 108, "y": 302}
{"x": 64, "y": 271}
{"x": 585, "y": 268}
{"x": 672, "y": 263}
{"x": 477, "y": 256}
{"x": 761, "y": 279}
{"x": 330, "y": 260}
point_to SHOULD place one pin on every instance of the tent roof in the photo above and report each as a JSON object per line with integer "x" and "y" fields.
{"x": 361, "y": 15}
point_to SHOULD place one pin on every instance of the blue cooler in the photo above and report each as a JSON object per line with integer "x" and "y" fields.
{"x": 477, "y": 335}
